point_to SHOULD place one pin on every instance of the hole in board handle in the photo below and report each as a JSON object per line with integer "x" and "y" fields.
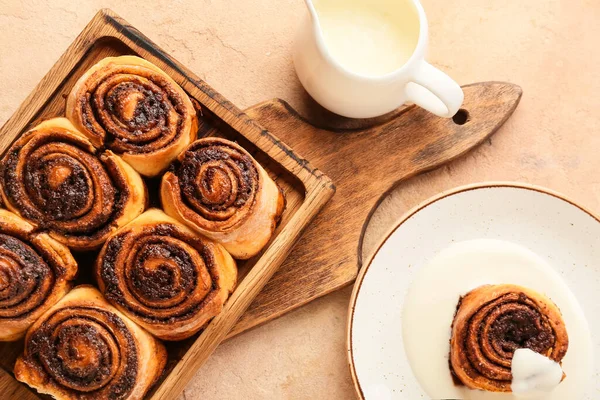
{"x": 461, "y": 117}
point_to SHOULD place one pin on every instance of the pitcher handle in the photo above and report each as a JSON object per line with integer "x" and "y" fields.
{"x": 434, "y": 91}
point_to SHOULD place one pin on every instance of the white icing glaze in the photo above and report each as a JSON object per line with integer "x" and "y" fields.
{"x": 533, "y": 375}
{"x": 431, "y": 300}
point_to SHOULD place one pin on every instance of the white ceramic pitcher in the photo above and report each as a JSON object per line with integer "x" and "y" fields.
{"x": 357, "y": 95}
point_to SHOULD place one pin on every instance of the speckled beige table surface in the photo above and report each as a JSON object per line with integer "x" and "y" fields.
{"x": 242, "y": 48}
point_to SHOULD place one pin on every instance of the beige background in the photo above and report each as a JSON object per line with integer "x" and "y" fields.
{"x": 242, "y": 48}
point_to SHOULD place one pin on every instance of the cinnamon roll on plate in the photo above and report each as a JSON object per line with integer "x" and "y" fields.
{"x": 524, "y": 261}
{"x": 54, "y": 178}
{"x": 491, "y": 323}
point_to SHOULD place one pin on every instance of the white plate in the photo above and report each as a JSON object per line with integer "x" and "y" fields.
{"x": 564, "y": 234}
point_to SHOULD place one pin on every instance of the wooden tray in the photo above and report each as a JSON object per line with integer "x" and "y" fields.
{"x": 306, "y": 189}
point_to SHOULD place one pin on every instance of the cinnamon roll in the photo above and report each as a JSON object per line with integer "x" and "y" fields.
{"x": 35, "y": 272}
{"x": 219, "y": 190}
{"x": 54, "y": 178}
{"x": 491, "y": 323}
{"x": 130, "y": 106}
{"x": 164, "y": 276}
{"x": 83, "y": 348}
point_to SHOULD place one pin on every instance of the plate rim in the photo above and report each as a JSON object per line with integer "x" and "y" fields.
{"x": 409, "y": 214}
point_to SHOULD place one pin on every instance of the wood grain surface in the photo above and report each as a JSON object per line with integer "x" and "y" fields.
{"x": 12, "y": 389}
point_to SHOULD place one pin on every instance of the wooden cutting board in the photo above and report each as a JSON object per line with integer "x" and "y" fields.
{"x": 365, "y": 159}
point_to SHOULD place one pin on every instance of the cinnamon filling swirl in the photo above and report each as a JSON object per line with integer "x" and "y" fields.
{"x": 54, "y": 178}
{"x": 130, "y": 106}
{"x": 163, "y": 276}
{"x": 83, "y": 348}
{"x": 491, "y": 323}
